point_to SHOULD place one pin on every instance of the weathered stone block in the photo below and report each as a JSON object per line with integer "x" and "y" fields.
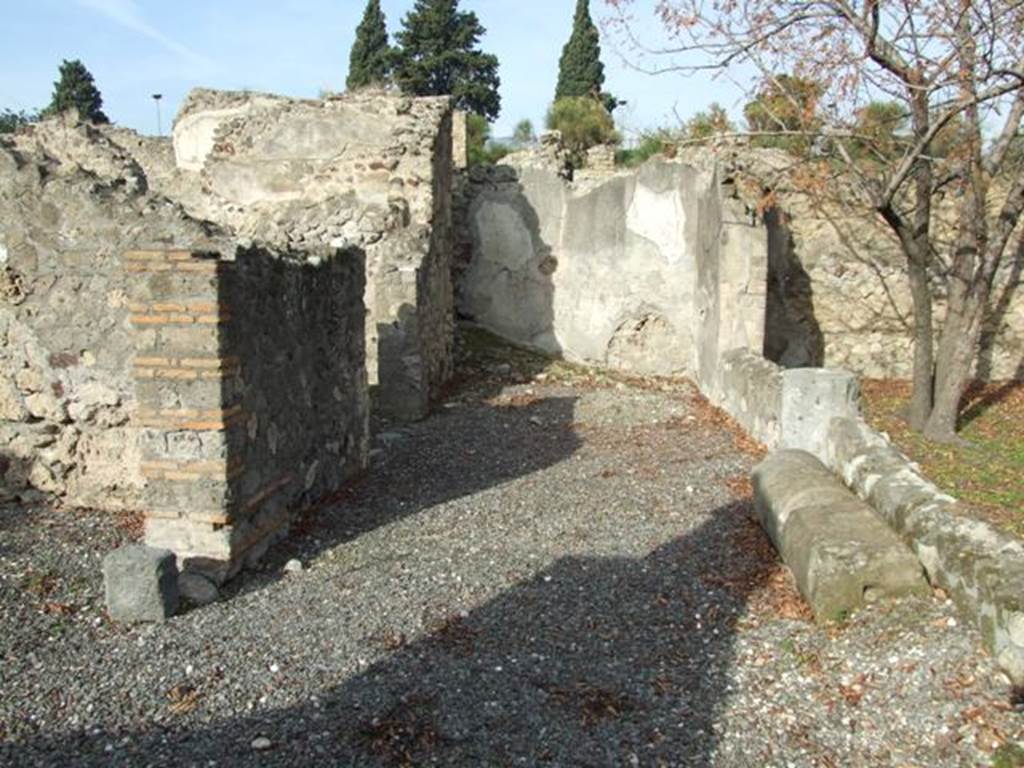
{"x": 811, "y": 398}
{"x": 750, "y": 389}
{"x": 141, "y": 584}
{"x": 45, "y": 406}
{"x": 190, "y": 538}
{"x": 12, "y": 407}
{"x": 841, "y": 554}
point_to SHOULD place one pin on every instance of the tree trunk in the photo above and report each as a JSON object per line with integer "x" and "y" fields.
{"x": 919, "y": 255}
{"x": 971, "y": 258}
{"x": 957, "y": 349}
{"x": 924, "y": 365}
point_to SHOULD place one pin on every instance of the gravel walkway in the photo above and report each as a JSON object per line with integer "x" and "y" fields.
{"x": 560, "y": 572}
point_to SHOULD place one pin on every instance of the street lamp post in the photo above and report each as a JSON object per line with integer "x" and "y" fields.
{"x": 159, "y": 126}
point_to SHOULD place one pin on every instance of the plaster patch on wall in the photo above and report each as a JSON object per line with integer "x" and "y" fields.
{"x": 659, "y": 217}
{"x": 195, "y": 135}
{"x": 500, "y": 228}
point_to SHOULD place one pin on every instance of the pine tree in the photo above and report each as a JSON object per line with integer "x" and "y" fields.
{"x": 76, "y": 88}
{"x": 437, "y": 56}
{"x": 580, "y": 71}
{"x": 370, "y": 58}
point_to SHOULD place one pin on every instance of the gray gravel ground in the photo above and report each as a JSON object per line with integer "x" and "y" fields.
{"x": 559, "y": 572}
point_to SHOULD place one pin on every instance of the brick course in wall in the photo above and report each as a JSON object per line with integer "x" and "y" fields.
{"x": 179, "y": 392}
{"x": 229, "y": 448}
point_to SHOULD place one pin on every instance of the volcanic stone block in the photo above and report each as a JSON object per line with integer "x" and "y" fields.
{"x": 841, "y": 553}
{"x": 141, "y": 584}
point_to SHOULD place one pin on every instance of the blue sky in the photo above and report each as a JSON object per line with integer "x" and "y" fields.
{"x": 136, "y": 48}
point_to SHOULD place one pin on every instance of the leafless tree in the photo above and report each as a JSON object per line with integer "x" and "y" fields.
{"x": 956, "y": 67}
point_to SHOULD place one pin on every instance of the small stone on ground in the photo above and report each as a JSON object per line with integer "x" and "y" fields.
{"x": 141, "y": 584}
{"x": 198, "y": 589}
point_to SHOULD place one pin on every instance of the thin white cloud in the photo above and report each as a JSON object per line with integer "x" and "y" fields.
{"x": 128, "y": 15}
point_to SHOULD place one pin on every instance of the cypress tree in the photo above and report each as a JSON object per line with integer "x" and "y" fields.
{"x": 76, "y": 88}
{"x": 438, "y": 55}
{"x": 580, "y": 71}
{"x": 370, "y": 59}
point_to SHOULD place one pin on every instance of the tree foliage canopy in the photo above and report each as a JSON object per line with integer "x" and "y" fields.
{"x": 580, "y": 71}
{"x": 784, "y": 104}
{"x": 438, "y": 56}
{"x": 524, "y": 133}
{"x": 709, "y": 123}
{"x": 479, "y": 149}
{"x": 881, "y": 130}
{"x": 370, "y": 57}
{"x": 76, "y": 88}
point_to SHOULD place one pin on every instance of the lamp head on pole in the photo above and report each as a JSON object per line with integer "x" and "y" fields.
{"x": 156, "y": 100}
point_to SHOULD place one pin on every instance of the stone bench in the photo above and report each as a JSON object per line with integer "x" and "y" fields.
{"x": 841, "y": 553}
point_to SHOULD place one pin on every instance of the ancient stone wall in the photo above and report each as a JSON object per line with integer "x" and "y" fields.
{"x": 153, "y": 361}
{"x": 840, "y": 297}
{"x": 66, "y": 394}
{"x": 655, "y": 271}
{"x": 838, "y": 294}
{"x": 749, "y": 388}
{"x": 460, "y": 138}
{"x": 370, "y": 170}
{"x": 154, "y": 154}
{"x": 731, "y": 270}
{"x": 411, "y": 324}
{"x": 250, "y": 378}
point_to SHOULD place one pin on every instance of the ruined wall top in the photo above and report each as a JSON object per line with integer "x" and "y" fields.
{"x": 292, "y": 174}
{"x": 341, "y": 170}
{"x": 362, "y": 122}
{"x": 97, "y": 194}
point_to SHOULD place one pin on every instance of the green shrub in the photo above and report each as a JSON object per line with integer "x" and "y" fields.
{"x": 785, "y": 103}
{"x": 1009, "y": 755}
{"x": 650, "y": 145}
{"x": 479, "y": 149}
{"x": 707, "y": 124}
{"x": 524, "y": 133}
{"x": 584, "y": 123}
{"x": 76, "y": 88}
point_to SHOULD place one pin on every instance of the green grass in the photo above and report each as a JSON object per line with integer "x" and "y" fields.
{"x": 986, "y": 472}
{"x": 1008, "y": 756}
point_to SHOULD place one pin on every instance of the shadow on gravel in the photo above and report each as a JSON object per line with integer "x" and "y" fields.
{"x": 484, "y": 445}
{"x": 595, "y": 662}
